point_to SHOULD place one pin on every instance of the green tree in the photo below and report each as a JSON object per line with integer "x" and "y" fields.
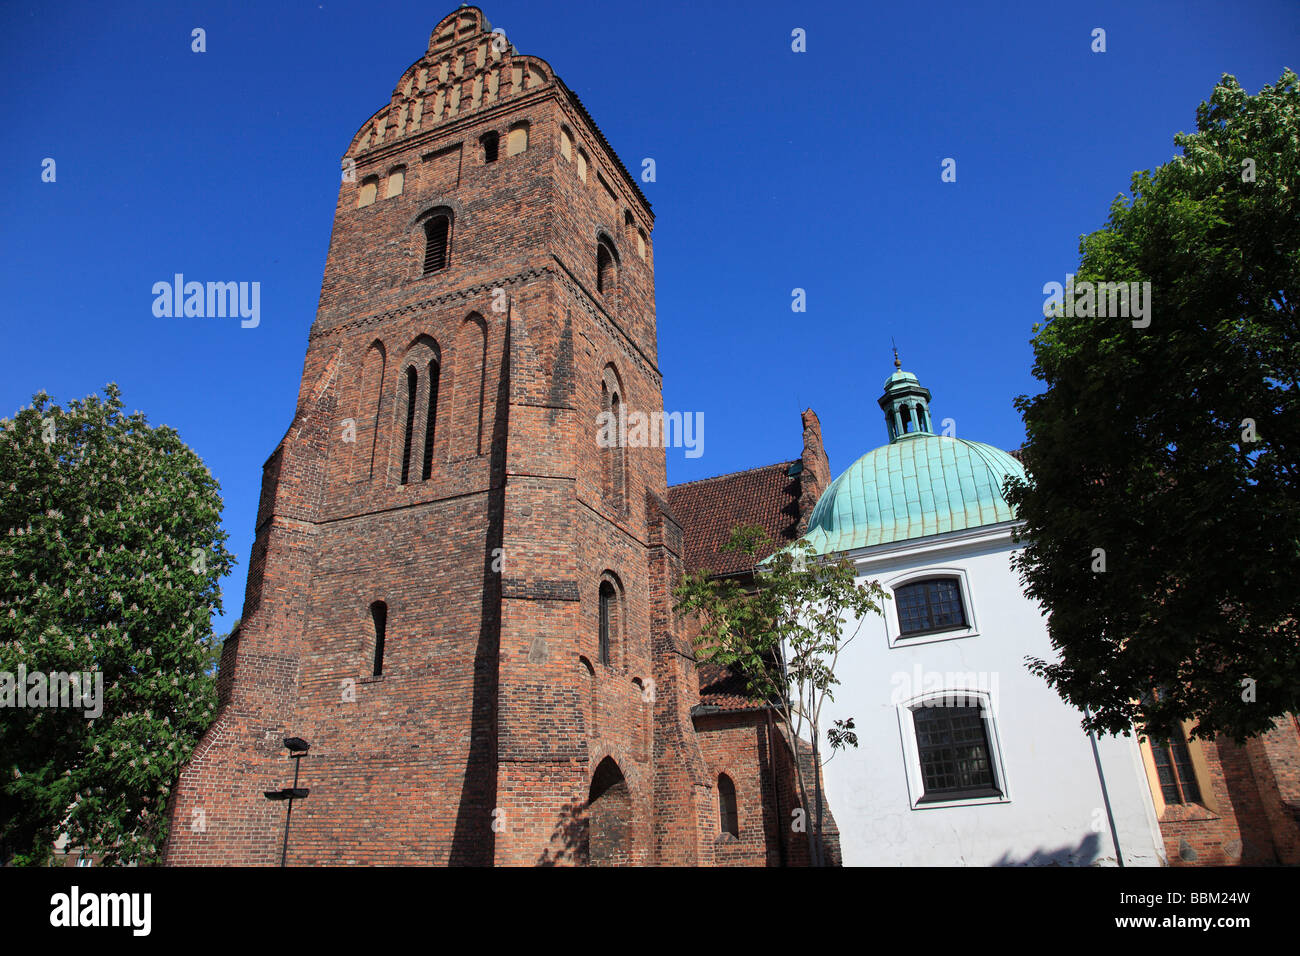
{"x": 783, "y": 631}
{"x": 110, "y": 552}
{"x": 1161, "y": 511}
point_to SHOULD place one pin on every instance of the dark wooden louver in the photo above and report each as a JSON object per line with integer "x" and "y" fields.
{"x": 436, "y": 233}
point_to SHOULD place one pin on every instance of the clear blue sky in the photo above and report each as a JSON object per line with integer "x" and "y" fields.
{"x": 776, "y": 170}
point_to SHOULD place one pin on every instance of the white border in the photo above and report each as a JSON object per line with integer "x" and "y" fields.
{"x": 893, "y": 630}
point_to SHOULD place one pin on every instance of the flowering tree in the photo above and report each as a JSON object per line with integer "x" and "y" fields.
{"x": 110, "y": 552}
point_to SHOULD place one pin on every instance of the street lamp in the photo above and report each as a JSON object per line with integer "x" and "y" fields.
{"x": 297, "y": 748}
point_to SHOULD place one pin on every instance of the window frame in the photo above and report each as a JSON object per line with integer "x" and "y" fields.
{"x": 893, "y": 623}
{"x": 916, "y": 792}
{"x": 1208, "y": 801}
{"x": 610, "y": 624}
{"x": 1166, "y": 745}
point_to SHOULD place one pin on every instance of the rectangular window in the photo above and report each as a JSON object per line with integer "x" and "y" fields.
{"x": 953, "y": 745}
{"x": 1174, "y": 768}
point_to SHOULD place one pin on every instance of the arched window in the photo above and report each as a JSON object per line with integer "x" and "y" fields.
{"x": 396, "y": 181}
{"x": 370, "y": 388}
{"x": 437, "y": 242}
{"x": 728, "y": 819}
{"x": 379, "y": 615}
{"x": 608, "y": 619}
{"x": 412, "y": 384}
{"x": 640, "y": 243}
{"x": 368, "y": 191}
{"x": 582, "y": 166}
{"x": 614, "y": 470}
{"x": 952, "y": 745}
{"x": 928, "y": 606}
{"x": 430, "y": 418}
{"x": 606, "y": 267}
{"x": 566, "y": 143}
{"x": 491, "y": 143}
{"x": 470, "y": 387}
{"x": 517, "y": 139}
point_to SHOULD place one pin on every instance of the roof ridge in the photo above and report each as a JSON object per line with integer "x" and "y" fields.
{"x": 731, "y": 474}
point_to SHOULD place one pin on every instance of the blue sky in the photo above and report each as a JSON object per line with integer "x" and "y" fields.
{"x": 775, "y": 170}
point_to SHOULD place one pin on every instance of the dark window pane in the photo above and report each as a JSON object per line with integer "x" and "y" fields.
{"x": 954, "y": 750}
{"x": 729, "y": 822}
{"x": 429, "y": 421}
{"x": 933, "y": 605}
{"x": 606, "y": 602}
{"x": 411, "y": 385}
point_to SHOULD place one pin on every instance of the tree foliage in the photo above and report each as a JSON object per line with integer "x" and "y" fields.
{"x": 783, "y": 632}
{"x": 1168, "y": 455}
{"x": 110, "y": 552}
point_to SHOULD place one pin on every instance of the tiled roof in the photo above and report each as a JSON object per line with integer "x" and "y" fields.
{"x": 709, "y": 508}
{"x": 723, "y": 688}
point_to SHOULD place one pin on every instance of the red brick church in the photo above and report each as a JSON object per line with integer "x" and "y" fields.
{"x": 460, "y": 599}
{"x": 457, "y": 597}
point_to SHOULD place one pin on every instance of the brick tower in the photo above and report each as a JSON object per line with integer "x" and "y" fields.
{"x": 457, "y": 595}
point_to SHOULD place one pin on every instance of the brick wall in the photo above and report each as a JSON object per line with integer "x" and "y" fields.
{"x": 480, "y": 740}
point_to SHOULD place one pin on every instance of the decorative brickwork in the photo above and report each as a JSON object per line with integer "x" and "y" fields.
{"x": 443, "y": 460}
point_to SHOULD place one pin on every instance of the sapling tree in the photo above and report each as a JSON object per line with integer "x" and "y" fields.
{"x": 782, "y": 629}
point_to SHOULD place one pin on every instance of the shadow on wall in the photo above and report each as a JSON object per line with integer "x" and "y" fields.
{"x": 1086, "y": 853}
{"x": 599, "y": 831}
{"x": 568, "y": 839}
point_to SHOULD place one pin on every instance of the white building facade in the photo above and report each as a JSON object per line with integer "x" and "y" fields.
{"x": 964, "y": 757}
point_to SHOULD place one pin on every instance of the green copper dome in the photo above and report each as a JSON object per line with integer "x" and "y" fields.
{"x": 919, "y": 484}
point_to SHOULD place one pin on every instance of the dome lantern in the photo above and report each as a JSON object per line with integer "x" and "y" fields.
{"x": 906, "y": 404}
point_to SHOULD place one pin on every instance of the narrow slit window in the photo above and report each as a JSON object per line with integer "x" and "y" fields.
{"x": 605, "y": 269}
{"x": 608, "y": 622}
{"x": 379, "y": 615}
{"x": 491, "y": 147}
{"x": 411, "y": 384}
{"x": 431, "y": 417}
{"x": 728, "y": 820}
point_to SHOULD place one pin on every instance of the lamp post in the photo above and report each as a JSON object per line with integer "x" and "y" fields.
{"x": 297, "y": 748}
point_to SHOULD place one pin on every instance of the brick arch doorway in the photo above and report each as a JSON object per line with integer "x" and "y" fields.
{"x": 608, "y": 837}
